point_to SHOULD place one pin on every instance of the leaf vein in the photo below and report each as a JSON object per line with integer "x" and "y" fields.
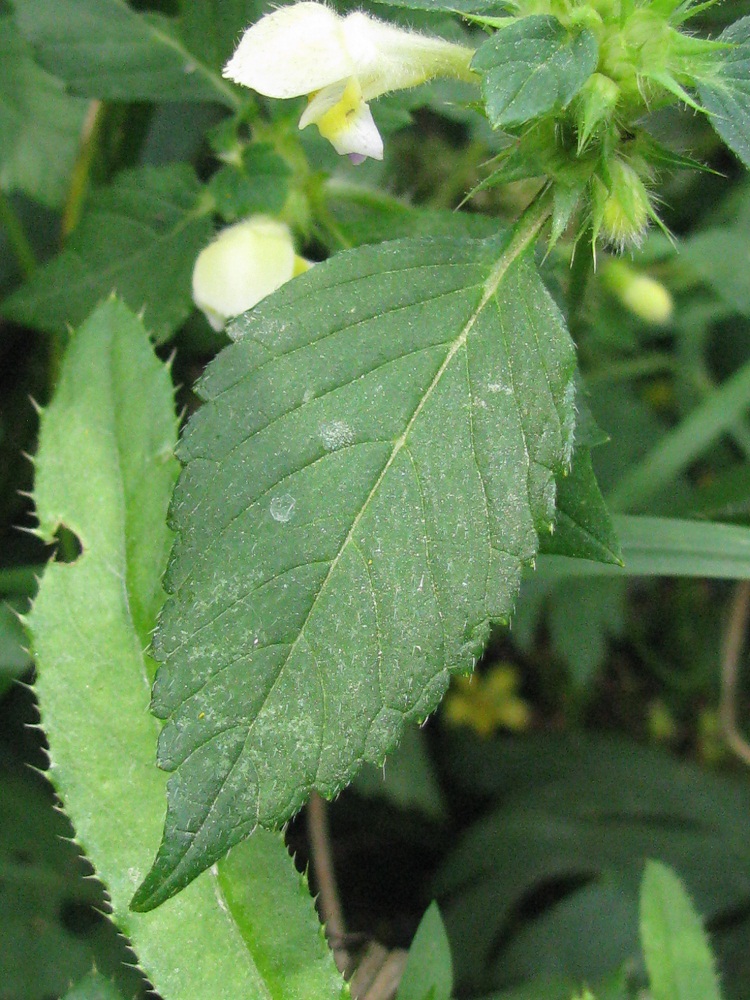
{"x": 430, "y": 570}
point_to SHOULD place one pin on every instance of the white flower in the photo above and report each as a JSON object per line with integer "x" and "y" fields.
{"x": 241, "y": 266}
{"x": 341, "y": 63}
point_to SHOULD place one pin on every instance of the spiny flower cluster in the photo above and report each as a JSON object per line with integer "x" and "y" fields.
{"x": 645, "y": 60}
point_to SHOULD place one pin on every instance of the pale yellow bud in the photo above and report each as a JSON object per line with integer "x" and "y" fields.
{"x": 643, "y": 296}
{"x": 244, "y": 264}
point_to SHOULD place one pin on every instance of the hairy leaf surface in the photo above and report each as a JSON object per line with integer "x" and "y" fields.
{"x": 458, "y": 6}
{"x": 105, "y": 49}
{"x": 106, "y": 469}
{"x": 728, "y": 97}
{"x": 531, "y": 67}
{"x": 138, "y": 237}
{"x": 374, "y": 462}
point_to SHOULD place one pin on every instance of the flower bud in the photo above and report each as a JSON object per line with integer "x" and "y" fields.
{"x": 244, "y": 264}
{"x": 621, "y": 207}
{"x": 596, "y": 104}
{"x": 645, "y": 297}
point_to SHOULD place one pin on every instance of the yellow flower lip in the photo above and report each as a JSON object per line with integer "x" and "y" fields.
{"x": 343, "y": 117}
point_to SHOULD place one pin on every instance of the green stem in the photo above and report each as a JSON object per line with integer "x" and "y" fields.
{"x": 19, "y": 242}
{"x": 79, "y": 181}
{"x": 528, "y": 226}
{"x": 651, "y": 364}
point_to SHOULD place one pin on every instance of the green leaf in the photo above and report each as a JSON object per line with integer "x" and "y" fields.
{"x": 584, "y": 614}
{"x": 105, "y": 49}
{"x": 582, "y": 811}
{"x": 140, "y": 238}
{"x": 105, "y": 470}
{"x": 583, "y": 526}
{"x": 43, "y": 877}
{"x": 712, "y": 255}
{"x": 660, "y": 546}
{"x": 727, "y": 97}
{"x": 260, "y": 185}
{"x": 359, "y": 215}
{"x": 14, "y": 658}
{"x": 677, "y": 449}
{"x": 408, "y": 779}
{"x": 453, "y": 6}
{"x": 94, "y": 986}
{"x": 271, "y": 904}
{"x": 678, "y": 956}
{"x": 429, "y": 968}
{"x": 40, "y": 125}
{"x": 370, "y": 472}
{"x": 581, "y": 615}
{"x": 725, "y": 497}
{"x": 533, "y": 66}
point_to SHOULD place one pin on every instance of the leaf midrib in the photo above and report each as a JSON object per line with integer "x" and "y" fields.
{"x": 522, "y": 237}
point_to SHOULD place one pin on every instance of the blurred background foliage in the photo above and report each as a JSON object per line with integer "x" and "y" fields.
{"x": 589, "y": 739}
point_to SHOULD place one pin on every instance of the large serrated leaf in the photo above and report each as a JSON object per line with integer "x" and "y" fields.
{"x": 532, "y": 66}
{"x": 105, "y": 470}
{"x": 727, "y": 98}
{"x": 370, "y": 472}
{"x": 138, "y": 237}
{"x": 40, "y": 124}
{"x": 105, "y": 49}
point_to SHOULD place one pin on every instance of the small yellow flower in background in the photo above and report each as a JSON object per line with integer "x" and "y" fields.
{"x": 246, "y": 262}
{"x": 645, "y": 297}
{"x": 662, "y": 727}
{"x": 341, "y": 63}
{"x": 486, "y": 702}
